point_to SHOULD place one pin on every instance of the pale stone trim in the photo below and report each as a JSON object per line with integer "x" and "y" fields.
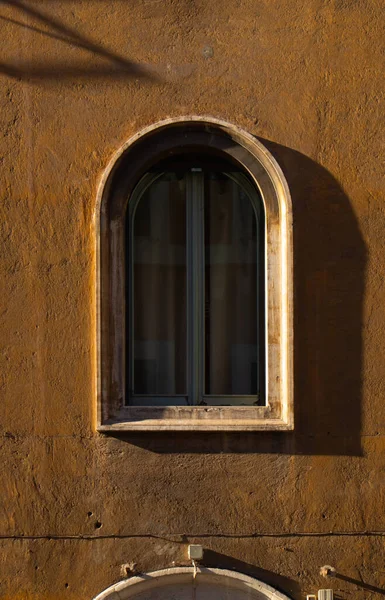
{"x": 220, "y": 578}
{"x": 278, "y": 414}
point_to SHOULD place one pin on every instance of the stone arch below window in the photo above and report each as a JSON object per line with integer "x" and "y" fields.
{"x": 179, "y": 583}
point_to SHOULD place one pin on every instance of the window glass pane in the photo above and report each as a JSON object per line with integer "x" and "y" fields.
{"x": 159, "y": 288}
{"x": 231, "y": 279}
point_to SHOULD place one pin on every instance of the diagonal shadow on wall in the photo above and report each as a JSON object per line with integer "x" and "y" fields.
{"x": 113, "y": 65}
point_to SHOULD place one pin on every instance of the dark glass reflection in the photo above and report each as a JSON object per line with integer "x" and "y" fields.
{"x": 231, "y": 334}
{"x": 159, "y": 288}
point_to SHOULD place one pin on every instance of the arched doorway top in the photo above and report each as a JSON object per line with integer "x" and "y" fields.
{"x": 179, "y": 583}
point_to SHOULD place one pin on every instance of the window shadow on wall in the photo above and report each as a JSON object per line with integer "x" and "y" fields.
{"x": 329, "y": 275}
{"x": 109, "y": 65}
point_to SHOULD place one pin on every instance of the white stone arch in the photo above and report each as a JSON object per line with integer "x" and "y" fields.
{"x": 115, "y": 187}
{"x": 179, "y": 583}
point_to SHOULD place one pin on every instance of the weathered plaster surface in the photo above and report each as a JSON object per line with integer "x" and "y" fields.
{"x": 307, "y": 78}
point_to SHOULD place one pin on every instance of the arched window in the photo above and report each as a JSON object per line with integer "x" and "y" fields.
{"x": 194, "y": 283}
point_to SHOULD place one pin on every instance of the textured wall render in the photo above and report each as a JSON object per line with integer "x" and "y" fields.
{"x": 77, "y": 80}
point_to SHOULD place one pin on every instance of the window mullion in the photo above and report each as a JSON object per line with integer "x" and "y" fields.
{"x": 195, "y": 197}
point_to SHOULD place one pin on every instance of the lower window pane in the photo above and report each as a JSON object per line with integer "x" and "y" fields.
{"x": 231, "y": 279}
{"x": 159, "y": 289}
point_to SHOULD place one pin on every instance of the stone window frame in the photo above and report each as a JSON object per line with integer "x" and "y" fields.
{"x": 125, "y": 169}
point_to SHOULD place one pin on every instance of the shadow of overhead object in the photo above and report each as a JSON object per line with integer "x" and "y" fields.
{"x": 119, "y": 68}
{"x": 66, "y": 33}
{"x": 329, "y": 279}
{"x": 222, "y": 561}
{"x": 361, "y": 584}
{"x": 58, "y": 72}
{"x": 68, "y": 36}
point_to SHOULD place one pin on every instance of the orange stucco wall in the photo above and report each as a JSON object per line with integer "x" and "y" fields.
{"x": 78, "y": 78}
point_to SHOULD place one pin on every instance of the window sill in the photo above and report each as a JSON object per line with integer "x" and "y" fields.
{"x": 207, "y": 418}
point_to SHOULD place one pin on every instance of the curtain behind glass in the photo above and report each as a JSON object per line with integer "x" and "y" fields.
{"x": 231, "y": 334}
{"x": 159, "y": 288}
